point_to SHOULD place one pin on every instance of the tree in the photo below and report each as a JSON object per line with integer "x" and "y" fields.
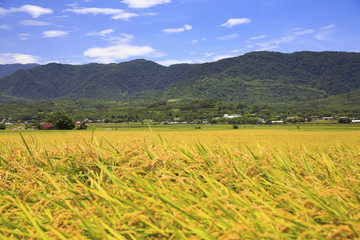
{"x": 344, "y": 120}
{"x": 2, "y": 126}
{"x": 61, "y": 120}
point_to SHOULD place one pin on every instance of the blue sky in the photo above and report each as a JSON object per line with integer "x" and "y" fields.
{"x": 171, "y": 31}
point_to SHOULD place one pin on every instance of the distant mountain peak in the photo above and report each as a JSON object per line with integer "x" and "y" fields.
{"x": 6, "y": 69}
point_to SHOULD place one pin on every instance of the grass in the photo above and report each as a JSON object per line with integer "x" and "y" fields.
{"x": 198, "y": 184}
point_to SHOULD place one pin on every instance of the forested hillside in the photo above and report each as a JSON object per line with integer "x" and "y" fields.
{"x": 272, "y": 77}
{"x": 257, "y": 77}
{"x": 94, "y": 81}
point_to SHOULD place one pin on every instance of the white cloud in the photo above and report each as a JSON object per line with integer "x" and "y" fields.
{"x": 10, "y": 58}
{"x": 72, "y": 5}
{"x": 115, "y": 12}
{"x": 124, "y": 16}
{"x": 203, "y": 54}
{"x": 195, "y": 41}
{"x": 284, "y": 39}
{"x": 34, "y": 11}
{"x": 60, "y": 17}
{"x": 55, "y": 33}
{"x": 328, "y": 27}
{"x": 3, "y": 11}
{"x": 34, "y": 23}
{"x": 96, "y": 11}
{"x": 272, "y": 44}
{"x": 5, "y": 27}
{"x": 74, "y": 62}
{"x": 178, "y": 30}
{"x": 123, "y": 38}
{"x": 236, "y": 21}
{"x": 102, "y": 33}
{"x": 228, "y": 37}
{"x": 120, "y": 49}
{"x": 258, "y": 37}
{"x": 149, "y": 14}
{"x": 144, "y": 3}
{"x": 322, "y": 36}
{"x": 209, "y": 54}
{"x": 205, "y": 57}
{"x": 173, "y": 61}
{"x": 222, "y": 57}
{"x": 267, "y": 48}
{"x": 325, "y": 31}
{"x": 304, "y": 32}
{"x": 24, "y": 36}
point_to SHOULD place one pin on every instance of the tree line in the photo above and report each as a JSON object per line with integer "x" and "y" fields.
{"x": 191, "y": 111}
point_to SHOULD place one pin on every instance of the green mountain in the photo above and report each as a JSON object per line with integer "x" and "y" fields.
{"x": 272, "y": 77}
{"x": 257, "y": 77}
{"x": 93, "y": 81}
{"x": 7, "y": 69}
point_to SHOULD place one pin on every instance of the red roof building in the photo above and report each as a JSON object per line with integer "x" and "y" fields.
{"x": 45, "y": 126}
{"x": 82, "y": 126}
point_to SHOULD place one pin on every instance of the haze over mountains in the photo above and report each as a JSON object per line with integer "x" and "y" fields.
{"x": 256, "y": 77}
{"x": 7, "y": 69}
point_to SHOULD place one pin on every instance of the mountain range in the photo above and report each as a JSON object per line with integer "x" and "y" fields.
{"x": 256, "y": 77}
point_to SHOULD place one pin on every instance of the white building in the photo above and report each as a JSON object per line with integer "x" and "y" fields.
{"x": 232, "y": 116}
{"x": 277, "y": 122}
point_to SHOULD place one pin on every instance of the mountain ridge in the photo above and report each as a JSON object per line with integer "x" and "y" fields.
{"x": 256, "y": 77}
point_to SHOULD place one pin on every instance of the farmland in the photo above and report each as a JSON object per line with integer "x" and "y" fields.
{"x": 181, "y": 183}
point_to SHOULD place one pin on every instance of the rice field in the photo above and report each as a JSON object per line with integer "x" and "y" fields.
{"x": 208, "y": 184}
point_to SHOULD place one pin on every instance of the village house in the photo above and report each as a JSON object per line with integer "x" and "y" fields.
{"x": 277, "y": 122}
{"x": 19, "y": 128}
{"x": 45, "y": 126}
{"x": 315, "y": 118}
{"x": 87, "y": 120}
{"x": 232, "y": 116}
{"x": 82, "y": 126}
{"x": 328, "y": 118}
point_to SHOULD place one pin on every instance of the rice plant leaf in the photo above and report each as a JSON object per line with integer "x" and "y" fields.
{"x": 27, "y": 147}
